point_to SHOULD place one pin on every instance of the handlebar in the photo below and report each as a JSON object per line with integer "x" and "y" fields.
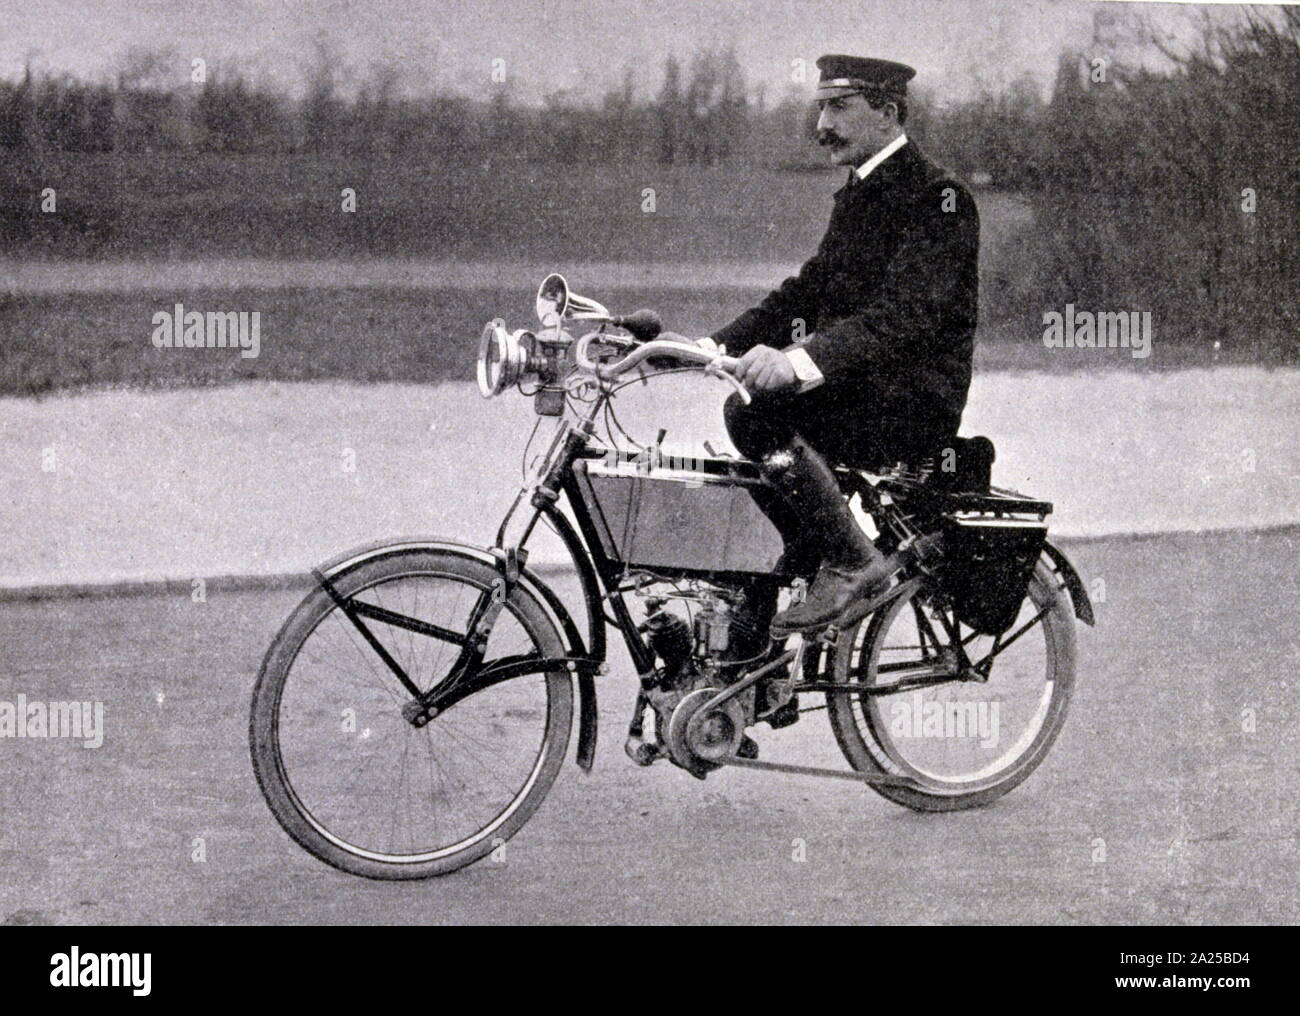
{"x": 714, "y": 364}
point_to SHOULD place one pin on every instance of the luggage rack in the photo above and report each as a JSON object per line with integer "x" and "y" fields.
{"x": 998, "y": 501}
{"x": 910, "y": 485}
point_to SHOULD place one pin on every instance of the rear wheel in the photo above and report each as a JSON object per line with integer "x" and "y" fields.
{"x": 964, "y": 743}
{"x": 350, "y": 779}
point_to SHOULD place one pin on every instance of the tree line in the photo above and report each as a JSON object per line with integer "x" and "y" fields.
{"x": 703, "y": 114}
{"x": 1166, "y": 183}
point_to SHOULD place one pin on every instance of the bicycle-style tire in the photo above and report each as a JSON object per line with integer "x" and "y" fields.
{"x": 865, "y": 737}
{"x": 303, "y": 764}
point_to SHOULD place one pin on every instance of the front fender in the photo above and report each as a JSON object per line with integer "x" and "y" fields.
{"x": 530, "y": 581}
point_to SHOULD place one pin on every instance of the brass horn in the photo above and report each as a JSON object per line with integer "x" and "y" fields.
{"x": 583, "y": 308}
{"x": 555, "y": 301}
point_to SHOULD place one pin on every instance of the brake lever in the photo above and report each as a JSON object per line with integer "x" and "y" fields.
{"x": 617, "y": 341}
{"x": 714, "y": 369}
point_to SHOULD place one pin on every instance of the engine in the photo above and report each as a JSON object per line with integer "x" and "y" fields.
{"x": 690, "y": 633}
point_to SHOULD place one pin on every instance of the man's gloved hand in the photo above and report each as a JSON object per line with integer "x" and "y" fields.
{"x": 764, "y": 369}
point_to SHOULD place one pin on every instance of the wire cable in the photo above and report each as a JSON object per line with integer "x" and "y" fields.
{"x": 523, "y": 465}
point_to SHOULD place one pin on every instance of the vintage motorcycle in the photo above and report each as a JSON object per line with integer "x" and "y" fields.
{"x": 416, "y": 707}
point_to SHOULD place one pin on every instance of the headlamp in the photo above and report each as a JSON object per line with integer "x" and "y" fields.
{"x": 503, "y": 358}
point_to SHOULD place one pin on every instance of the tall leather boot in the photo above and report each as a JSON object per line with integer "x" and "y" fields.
{"x": 852, "y": 567}
{"x": 802, "y": 551}
{"x": 751, "y": 641}
{"x": 751, "y": 618}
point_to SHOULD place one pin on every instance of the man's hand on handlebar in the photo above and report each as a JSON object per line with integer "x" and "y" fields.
{"x": 669, "y": 351}
{"x": 764, "y": 369}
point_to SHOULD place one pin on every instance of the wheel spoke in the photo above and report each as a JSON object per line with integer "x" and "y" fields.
{"x": 999, "y": 645}
{"x": 354, "y": 783}
{"x": 958, "y": 730}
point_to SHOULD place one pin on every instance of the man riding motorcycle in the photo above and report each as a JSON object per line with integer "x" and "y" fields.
{"x": 862, "y": 359}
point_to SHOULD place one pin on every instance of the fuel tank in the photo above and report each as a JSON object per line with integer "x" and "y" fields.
{"x": 675, "y": 515}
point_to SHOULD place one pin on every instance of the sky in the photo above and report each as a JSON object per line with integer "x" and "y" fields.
{"x": 584, "y": 46}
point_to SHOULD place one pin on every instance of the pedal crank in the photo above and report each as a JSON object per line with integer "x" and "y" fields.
{"x": 641, "y": 751}
{"x": 701, "y": 734}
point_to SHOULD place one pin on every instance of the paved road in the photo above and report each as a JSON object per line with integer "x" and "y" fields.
{"x": 1197, "y": 814}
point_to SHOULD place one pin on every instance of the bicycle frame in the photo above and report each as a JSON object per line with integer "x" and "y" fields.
{"x": 601, "y": 580}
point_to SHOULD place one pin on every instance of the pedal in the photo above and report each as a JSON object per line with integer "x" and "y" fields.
{"x": 642, "y": 752}
{"x": 773, "y": 700}
{"x": 927, "y": 550}
{"x": 784, "y": 715}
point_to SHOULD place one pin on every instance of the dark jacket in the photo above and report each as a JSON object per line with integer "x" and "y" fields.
{"x": 892, "y": 296}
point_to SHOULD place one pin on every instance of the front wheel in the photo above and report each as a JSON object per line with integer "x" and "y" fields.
{"x": 963, "y": 743}
{"x": 349, "y": 778}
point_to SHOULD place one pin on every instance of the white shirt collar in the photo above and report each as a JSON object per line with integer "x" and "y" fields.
{"x": 865, "y": 169}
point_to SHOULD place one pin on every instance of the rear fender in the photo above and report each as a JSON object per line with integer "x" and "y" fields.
{"x": 1078, "y": 595}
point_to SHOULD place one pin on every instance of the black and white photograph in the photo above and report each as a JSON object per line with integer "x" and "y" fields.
{"x": 704, "y": 462}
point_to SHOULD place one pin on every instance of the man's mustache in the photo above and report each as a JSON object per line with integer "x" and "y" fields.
{"x": 829, "y": 139}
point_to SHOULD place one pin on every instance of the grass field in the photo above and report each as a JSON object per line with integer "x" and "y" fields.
{"x": 200, "y": 208}
{"x": 178, "y": 207}
{"x": 182, "y": 206}
{"x": 53, "y": 343}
